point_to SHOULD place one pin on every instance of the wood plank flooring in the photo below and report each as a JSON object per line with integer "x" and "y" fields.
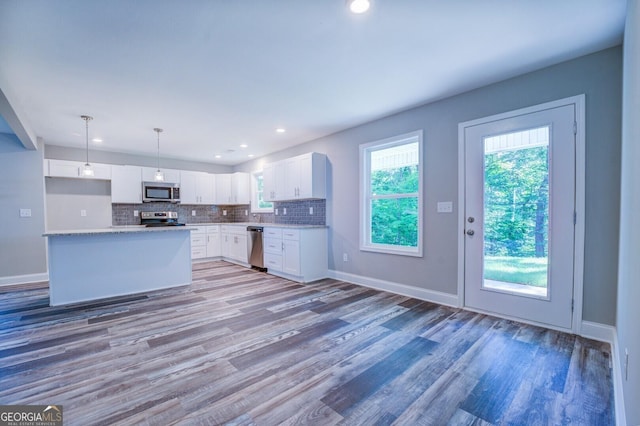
{"x": 245, "y": 348}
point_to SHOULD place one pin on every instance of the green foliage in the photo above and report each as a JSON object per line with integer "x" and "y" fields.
{"x": 516, "y": 202}
{"x": 520, "y": 270}
{"x": 394, "y": 221}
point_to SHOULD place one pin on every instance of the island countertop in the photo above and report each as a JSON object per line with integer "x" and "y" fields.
{"x": 115, "y": 230}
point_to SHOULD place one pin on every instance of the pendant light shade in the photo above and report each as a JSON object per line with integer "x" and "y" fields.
{"x": 87, "y": 170}
{"x": 159, "y": 176}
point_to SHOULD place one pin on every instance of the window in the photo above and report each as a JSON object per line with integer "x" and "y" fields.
{"x": 391, "y": 195}
{"x": 258, "y": 205}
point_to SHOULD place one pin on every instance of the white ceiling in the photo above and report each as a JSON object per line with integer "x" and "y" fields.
{"x": 215, "y": 74}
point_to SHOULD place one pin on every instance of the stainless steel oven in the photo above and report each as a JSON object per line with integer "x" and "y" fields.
{"x": 160, "y": 191}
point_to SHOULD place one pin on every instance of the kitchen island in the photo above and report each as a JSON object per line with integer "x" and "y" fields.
{"x": 93, "y": 264}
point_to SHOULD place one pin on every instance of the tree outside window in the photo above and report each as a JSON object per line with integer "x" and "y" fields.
{"x": 258, "y": 205}
{"x": 392, "y": 195}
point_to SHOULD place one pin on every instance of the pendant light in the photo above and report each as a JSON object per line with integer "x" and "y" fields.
{"x": 87, "y": 170}
{"x": 159, "y": 176}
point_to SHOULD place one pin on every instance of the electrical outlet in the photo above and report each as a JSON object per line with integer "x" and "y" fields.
{"x": 246, "y": 212}
{"x": 345, "y": 257}
{"x": 193, "y": 212}
{"x": 310, "y": 210}
{"x": 25, "y": 212}
{"x": 445, "y": 207}
{"x": 224, "y": 212}
{"x": 276, "y": 212}
{"x": 83, "y": 213}
{"x": 136, "y": 213}
{"x": 284, "y": 210}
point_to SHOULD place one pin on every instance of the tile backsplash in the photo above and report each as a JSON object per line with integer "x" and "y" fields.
{"x": 297, "y": 212}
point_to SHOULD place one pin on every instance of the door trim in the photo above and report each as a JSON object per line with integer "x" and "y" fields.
{"x": 578, "y": 244}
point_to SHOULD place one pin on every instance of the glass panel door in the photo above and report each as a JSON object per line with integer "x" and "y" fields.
{"x": 516, "y": 212}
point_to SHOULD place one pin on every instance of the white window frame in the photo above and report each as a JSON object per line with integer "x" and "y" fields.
{"x": 365, "y": 194}
{"x": 255, "y": 201}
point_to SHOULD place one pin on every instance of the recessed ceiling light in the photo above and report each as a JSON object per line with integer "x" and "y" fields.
{"x": 359, "y": 6}
{"x": 218, "y": 156}
{"x": 244, "y": 145}
{"x": 250, "y": 155}
{"x": 281, "y": 130}
{"x": 96, "y": 140}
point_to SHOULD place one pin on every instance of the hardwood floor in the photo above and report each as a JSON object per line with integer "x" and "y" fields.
{"x": 242, "y": 347}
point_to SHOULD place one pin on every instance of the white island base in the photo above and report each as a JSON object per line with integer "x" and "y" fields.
{"x": 96, "y": 264}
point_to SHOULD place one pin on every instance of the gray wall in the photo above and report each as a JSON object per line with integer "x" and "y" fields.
{"x": 22, "y": 246}
{"x": 66, "y": 198}
{"x": 597, "y": 75}
{"x": 74, "y": 154}
{"x": 628, "y": 319}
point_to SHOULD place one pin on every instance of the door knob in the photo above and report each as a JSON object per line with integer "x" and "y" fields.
{"x": 470, "y": 232}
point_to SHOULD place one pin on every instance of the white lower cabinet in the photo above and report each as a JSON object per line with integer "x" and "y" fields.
{"x": 205, "y": 241}
{"x": 233, "y": 243}
{"x": 299, "y": 254}
{"x": 198, "y": 242}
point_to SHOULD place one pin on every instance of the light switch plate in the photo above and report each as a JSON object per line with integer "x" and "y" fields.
{"x": 445, "y": 207}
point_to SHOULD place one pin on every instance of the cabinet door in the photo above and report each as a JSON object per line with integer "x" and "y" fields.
{"x": 188, "y": 188}
{"x": 269, "y": 182}
{"x": 126, "y": 184}
{"x": 291, "y": 257}
{"x": 213, "y": 244}
{"x": 306, "y": 172}
{"x": 223, "y": 189}
{"x": 225, "y": 244}
{"x": 291, "y": 178}
{"x": 241, "y": 188}
{"x": 206, "y": 188}
{"x": 240, "y": 248}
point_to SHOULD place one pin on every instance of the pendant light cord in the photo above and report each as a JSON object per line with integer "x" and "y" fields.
{"x": 157, "y": 130}
{"x": 86, "y": 119}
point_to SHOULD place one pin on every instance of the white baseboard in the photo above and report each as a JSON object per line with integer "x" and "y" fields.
{"x": 608, "y": 334}
{"x": 24, "y": 279}
{"x": 597, "y": 331}
{"x": 397, "y": 288}
{"x": 618, "y": 390}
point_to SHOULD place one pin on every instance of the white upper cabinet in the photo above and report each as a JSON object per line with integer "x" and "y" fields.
{"x": 233, "y": 188}
{"x": 296, "y": 178}
{"x": 73, "y": 169}
{"x": 126, "y": 184}
{"x": 241, "y": 188}
{"x": 197, "y": 188}
{"x": 170, "y": 175}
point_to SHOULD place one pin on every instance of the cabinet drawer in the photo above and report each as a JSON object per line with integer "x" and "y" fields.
{"x": 198, "y": 252}
{"x": 198, "y": 240}
{"x": 272, "y": 245}
{"x": 197, "y": 230}
{"x": 236, "y": 230}
{"x": 272, "y": 233}
{"x": 213, "y": 228}
{"x": 291, "y": 234}
{"x": 273, "y": 261}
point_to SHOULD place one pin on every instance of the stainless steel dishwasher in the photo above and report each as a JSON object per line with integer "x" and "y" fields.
{"x": 255, "y": 248}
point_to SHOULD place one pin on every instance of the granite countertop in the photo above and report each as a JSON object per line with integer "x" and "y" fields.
{"x": 265, "y": 225}
{"x": 116, "y": 230}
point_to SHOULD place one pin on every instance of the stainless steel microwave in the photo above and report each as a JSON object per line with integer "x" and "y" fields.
{"x": 160, "y": 191}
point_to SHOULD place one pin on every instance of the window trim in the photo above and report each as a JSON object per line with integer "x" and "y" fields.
{"x": 365, "y": 199}
{"x": 255, "y": 202}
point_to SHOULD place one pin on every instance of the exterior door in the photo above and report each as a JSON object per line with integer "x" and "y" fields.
{"x": 519, "y": 213}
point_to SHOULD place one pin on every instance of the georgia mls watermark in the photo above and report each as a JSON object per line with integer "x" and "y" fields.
{"x": 31, "y": 415}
